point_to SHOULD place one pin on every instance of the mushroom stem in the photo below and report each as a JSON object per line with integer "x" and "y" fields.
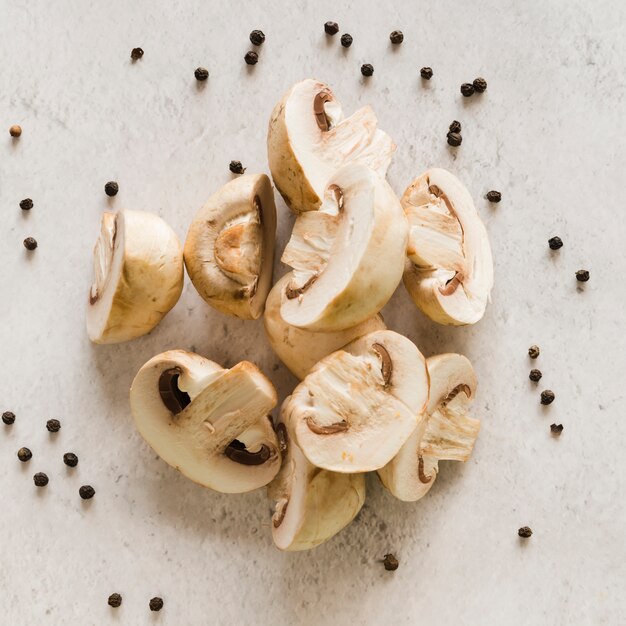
{"x": 330, "y": 429}
{"x": 318, "y": 109}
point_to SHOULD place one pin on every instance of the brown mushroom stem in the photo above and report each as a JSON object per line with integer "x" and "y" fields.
{"x": 331, "y": 429}
{"x": 386, "y": 367}
{"x": 318, "y": 109}
{"x": 172, "y": 396}
{"x": 294, "y": 292}
{"x": 237, "y": 452}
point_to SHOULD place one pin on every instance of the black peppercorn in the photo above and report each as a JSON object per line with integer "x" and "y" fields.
{"x": 426, "y": 73}
{"x": 111, "y": 188}
{"x": 331, "y": 28}
{"x": 87, "y": 492}
{"x": 467, "y": 89}
{"x": 396, "y": 37}
{"x": 40, "y": 479}
{"x": 70, "y": 459}
{"x": 494, "y": 196}
{"x": 525, "y": 532}
{"x": 257, "y": 37}
{"x": 30, "y": 243}
{"x": 115, "y": 600}
{"x": 156, "y": 604}
{"x": 547, "y": 397}
{"x": 480, "y": 85}
{"x": 582, "y": 276}
{"x": 236, "y": 167}
{"x": 455, "y": 127}
{"x": 367, "y": 69}
{"x": 535, "y": 375}
{"x": 201, "y": 73}
{"x": 53, "y": 426}
{"x": 8, "y": 417}
{"x": 346, "y": 40}
{"x": 555, "y": 243}
{"x": 251, "y": 58}
{"x": 454, "y": 139}
{"x": 136, "y": 53}
{"x": 24, "y": 455}
{"x": 556, "y": 429}
{"x": 26, "y": 204}
{"x": 390, "y": 562}
{"x": 533, "y": 352}
{"x": 15, "y": 131}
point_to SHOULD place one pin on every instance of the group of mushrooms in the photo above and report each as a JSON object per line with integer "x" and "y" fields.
{"x": 368, "y": 400}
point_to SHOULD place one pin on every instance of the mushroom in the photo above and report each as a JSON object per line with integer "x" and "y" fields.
{"x": 357, "y": 407}
{"x": 209, "y": 423}
{"x": 308, "y": 139}
{"x": 138, "y": 268}
{"x": 229, "y": 251}
{"x": 445, "y": 431}
{"x": 348, "y": 256}
{"x": 301, "y": 349}
{"x": 310, "y": 504}
{"x": 449, "y": 271}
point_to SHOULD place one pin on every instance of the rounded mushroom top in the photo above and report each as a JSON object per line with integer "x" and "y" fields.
{"x": 451, "y": 272}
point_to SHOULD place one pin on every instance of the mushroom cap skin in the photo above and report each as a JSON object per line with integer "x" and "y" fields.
{"x": 444, "y": 432}
{"x": 449, "y": 269}
{"x": 348, "y": 257}
{"x": 311, "y": 505}
{"x": 301, "y": 349}
{"x": 357, "y": 407}
{"x": 138, "y": 267}
{"x": 229, "y": 251}
{"x": 209, "y": 423}
{"x": 309, "y": 138}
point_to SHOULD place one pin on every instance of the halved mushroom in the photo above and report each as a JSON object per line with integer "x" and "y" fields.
{"x": 445, "y": 431}
{"x": 229, "y": 251}
{"x": 310, "y": 504}
{"x": 348, "y": 256}
{"x": 358, "y": 406}
{"x": 308, "y": 139}
{"x": 210, "y": 423}
{"x": 138, "y": 268}
{"x": 301, "y": 349}
{"x": 449, "y": 271}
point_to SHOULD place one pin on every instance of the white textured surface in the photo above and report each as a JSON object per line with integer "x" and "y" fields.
{"x": 549, "y": 133}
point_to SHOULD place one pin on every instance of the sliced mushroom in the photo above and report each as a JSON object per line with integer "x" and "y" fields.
{"x": 138, "y": 276}
{"x": 348, "y": 256}
{"x": 449, "y": 272}
{"x": 310, "y": 504}
{"x": 229, "y": 251}
{"x": 358, "y": 406}
{"x": 208, "y": 422}
{"x": 308, "y": 139}
{"x": 301, "y": 349}
{"x": 445, "y": 431}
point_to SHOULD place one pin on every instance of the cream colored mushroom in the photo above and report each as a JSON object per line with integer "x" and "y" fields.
{"x": 445, "y": 431}
{"x": 138, "y": 268}
{"x": 301, "y": 349}
{"x": 229, "y": 251}
{"x": 348, "y": 256}
{"x": 358, "y": 406}
{"x": 310, "y": 504}
{"x": 210, "y": 423}
{"x": 449, "y": 271}
{"x": 309, "y": 138}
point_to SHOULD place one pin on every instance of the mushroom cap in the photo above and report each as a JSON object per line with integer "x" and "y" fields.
{"x": 358, "y": 406}
{"x": 229, "y": 251}
{"x": 308, "y": 139}
{"x": 444, "y": 432}
{"x": 209, "y": 423}
{"x": 138, "y": 267}
{"x": 449, "y": 272}
{"x": 301, "y": 349}
{"x": 348, "y": 257}
{"x": 311, "y": 504}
